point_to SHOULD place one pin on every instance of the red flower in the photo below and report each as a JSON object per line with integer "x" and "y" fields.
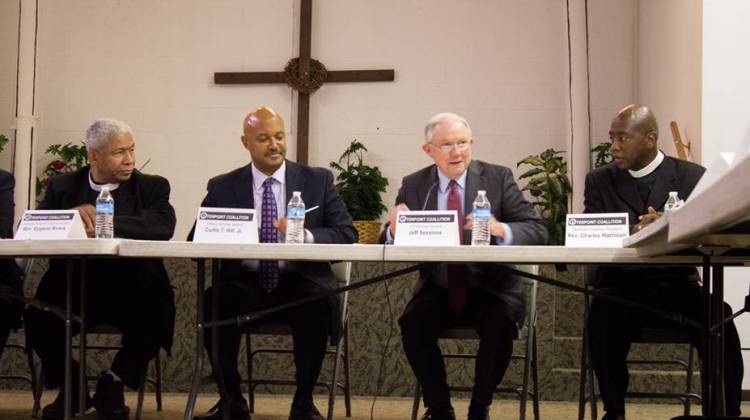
{"x": 46, "y": 182}
{"x": 58, "y": 164}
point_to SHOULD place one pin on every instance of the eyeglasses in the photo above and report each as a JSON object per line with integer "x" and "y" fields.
{"x": 461, "y": 146}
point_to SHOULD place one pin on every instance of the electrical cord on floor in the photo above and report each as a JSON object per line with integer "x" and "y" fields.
{"x": 381, "y": 368}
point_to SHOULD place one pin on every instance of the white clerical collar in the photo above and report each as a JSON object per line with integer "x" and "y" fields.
{"x": 259, "y": 177}
{"x": 444, "y": 181}
{"x": 651, "y": 167}
{"x": 98, "y": 187}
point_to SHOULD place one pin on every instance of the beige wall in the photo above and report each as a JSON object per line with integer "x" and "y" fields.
{"x": 669, "y": 67}
{"x": 8, "y": 55}
{"x": 499, "y": 63}
{"x": 610, "y": 79}
{"x": 151, "y": 64}
{"x": 611, "y": 45}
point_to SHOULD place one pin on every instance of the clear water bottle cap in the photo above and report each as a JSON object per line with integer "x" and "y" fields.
{"x": 482, "y": 192}
{"x": 296, "y": 193}
{"x": 673, "y": 193}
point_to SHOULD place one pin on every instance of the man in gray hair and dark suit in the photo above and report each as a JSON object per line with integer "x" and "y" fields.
{"x": 484, "y": 296}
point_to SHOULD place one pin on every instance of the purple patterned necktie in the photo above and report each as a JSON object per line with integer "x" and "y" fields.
{"x": 457, "y": 294}
{"x": 269, "y": 269}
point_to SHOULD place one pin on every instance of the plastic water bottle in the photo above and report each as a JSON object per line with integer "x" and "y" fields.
{"x": 480, "y": 231}
{"x": 105, "y": 214}
{"x": 672, "y": 202}
{"x": 295, "y": 219}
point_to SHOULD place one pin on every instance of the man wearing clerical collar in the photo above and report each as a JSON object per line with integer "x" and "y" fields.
{"x": 111, "y": 161}
{"x": 134, "y": 295}
{"x": 638, "y": 182}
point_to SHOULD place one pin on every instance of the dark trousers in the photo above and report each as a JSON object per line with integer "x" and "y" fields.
{"x": 131, "y": 305}
{"x": 309, "y": 324}
{"x": 10, "y": 315}
{"x": 612, "y": 329}
{"x": 10, "y": 308}
{"x": 7, "y": 322}
{"x": 429, "y": 313}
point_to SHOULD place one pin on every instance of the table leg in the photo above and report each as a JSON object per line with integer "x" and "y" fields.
{"x": 217, "y": 372}
{"x": 82, "y": 382}
{"x": 706, "y": 339}
{"x": 717, "y": 341}
{"x": 198, "y": 368}
{"x": 68, "y": 336}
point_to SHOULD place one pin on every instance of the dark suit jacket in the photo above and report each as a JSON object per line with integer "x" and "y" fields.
{"x": 142, "y": 211}
{"x": 612, "y": 190}
{"x": 7, "y": 182}
{"x": 10, "y": 310}
{"x": 419, "y": 190}
{"x": 329, "y": 224}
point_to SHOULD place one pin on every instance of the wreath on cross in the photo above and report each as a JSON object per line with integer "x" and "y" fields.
{"x": 307, "y": 85}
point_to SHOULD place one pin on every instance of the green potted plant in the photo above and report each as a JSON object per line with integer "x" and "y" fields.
{"x": 65, "y": 158}
{"x": 3, "y": 142}
{"x": 602, "y": 155}
{"x": 549, "y": 187}
{"x": 360, "y": 186}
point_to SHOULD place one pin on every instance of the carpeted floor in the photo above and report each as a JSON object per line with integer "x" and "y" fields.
{"x": 16, "y": 405}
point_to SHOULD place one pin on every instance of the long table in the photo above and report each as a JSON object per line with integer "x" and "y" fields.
{"x": 383, "y": 253}
{"x": 82, "y": 249}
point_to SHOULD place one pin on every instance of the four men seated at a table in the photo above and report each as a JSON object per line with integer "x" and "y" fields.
{"x": 136, "y": 297}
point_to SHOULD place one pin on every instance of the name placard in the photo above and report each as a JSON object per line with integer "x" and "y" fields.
{"x": 50, "y": 224}
{"x": 427, "y": 227}
{"x": 225, "y": 225}
{"x": 596, "y": 230}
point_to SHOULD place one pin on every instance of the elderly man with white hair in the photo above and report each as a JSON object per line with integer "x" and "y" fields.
{"x": 133, "y": 295}
{"x": 485, "y": 296}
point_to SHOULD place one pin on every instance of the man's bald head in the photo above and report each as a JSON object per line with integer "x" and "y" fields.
{"x": 259, "y": 115}
{"x": 634, "y": 133}
{"x": 641, "y": 118}
{"x": 264, "y": 137}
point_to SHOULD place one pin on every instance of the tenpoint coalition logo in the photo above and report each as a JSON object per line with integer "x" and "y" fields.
{"x": 402, "y": 218}
{"x": 203, "y": 215}
{"x": 572, "y": 221}
{"x": 26, "y": 217}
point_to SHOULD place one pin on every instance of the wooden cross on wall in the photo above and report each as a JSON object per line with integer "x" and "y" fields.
{"x": 304, "y": 62}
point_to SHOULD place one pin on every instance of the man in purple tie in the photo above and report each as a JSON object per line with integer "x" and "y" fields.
{"x": 484, "y": 296}
{"x": 266, "y": 185}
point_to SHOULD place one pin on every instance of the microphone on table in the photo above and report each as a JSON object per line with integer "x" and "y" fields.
{"x": 427, "y": 197}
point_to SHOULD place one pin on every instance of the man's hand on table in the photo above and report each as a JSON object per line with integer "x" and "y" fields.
{"x": 88, "y": 216}
{"x": 646, "y": 219}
